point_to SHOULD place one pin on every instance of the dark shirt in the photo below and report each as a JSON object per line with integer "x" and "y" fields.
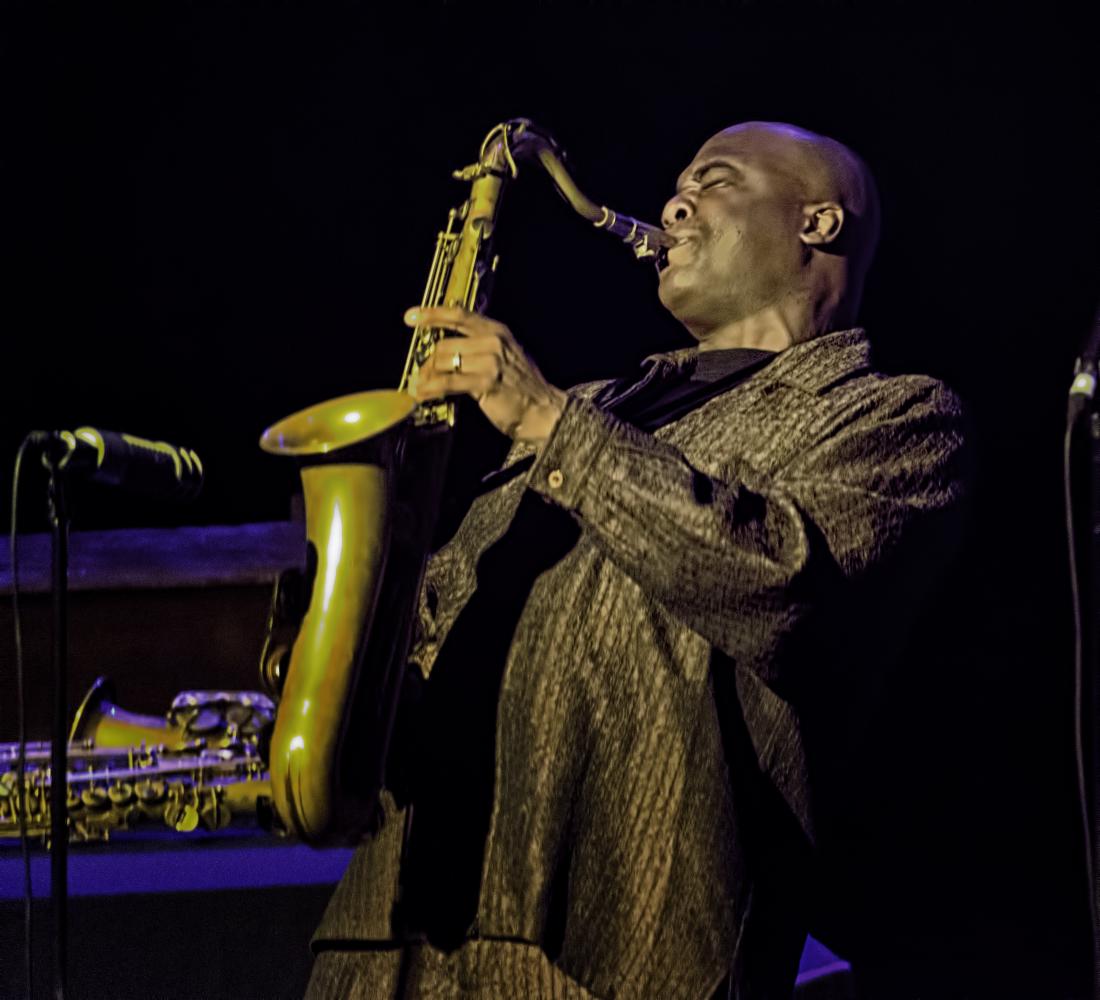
{"x": 649, "y": 403}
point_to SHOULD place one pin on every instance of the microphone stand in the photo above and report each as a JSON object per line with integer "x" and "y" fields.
{"x": 59, "y": 738}
{"x": 116, "y": 460}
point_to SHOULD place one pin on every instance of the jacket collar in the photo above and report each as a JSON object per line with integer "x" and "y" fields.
{"x": 813, "y": 366}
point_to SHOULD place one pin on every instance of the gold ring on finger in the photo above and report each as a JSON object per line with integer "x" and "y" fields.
{"x": 456, "y": 362}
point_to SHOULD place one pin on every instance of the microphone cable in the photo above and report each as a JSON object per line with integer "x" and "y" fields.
{"x": 1078, "y": 416}
{"x": 34, "y": 438}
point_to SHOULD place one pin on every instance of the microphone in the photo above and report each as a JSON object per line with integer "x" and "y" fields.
{"x": 1085, "y": 373}
{"x": 154, "y": 468}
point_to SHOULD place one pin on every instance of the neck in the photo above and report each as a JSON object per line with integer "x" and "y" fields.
{"x": 764, "y": 331}
{"x": 779, "y": 325}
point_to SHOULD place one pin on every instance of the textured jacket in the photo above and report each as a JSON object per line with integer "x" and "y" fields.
{"x": 769, "y": 543}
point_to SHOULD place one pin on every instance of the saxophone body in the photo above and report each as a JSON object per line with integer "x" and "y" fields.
{"x": 372, "y": 467}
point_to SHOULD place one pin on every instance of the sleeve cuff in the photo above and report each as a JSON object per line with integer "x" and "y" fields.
{"x": 566, "y": 459}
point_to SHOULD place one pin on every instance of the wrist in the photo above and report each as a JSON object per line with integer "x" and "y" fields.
{"x": 542, "y": 418}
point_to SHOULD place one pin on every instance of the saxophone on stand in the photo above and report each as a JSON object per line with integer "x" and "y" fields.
{"x": 201, "y": 767}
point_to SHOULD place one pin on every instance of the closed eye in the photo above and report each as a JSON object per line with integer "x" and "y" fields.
{"x": 712, "y": 174}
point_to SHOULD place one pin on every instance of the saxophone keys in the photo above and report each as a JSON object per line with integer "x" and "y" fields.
{"x": 230, "y": 746}
{"x": 121, "y": 793}
{"x": 206, "y": 720}
{"x": 149, "y": 791}
{"x": 214, "y": 814}
{"x": 95, "y": 798}
{"x": 9, "y": 801}
{"x": 238, "y": 715}
{"x": 182, "y": 816}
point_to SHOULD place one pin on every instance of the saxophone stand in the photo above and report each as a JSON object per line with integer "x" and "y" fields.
{"x": 53, "y": 458}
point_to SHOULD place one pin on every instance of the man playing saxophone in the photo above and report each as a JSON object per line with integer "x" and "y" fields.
{"x": 648, "y": 650}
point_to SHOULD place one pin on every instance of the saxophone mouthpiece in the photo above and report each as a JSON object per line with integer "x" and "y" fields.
{"x": 646, "y": 240}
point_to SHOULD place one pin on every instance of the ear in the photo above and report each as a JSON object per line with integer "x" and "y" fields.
{"x": 821, "y": 223}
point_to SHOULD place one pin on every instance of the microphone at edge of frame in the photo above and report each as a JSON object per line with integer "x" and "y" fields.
{"x": 154, "y": 468}
{"x": 1083, "y": 388}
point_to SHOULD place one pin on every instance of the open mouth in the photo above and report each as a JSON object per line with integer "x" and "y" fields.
{"x": 662, "y": 255}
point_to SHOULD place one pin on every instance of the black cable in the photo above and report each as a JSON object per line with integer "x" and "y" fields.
{"x": 34, "y": 438}
{"x": 1078, "y": 686}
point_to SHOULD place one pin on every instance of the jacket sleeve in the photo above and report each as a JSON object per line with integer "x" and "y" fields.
{"x": 719, "y": 553}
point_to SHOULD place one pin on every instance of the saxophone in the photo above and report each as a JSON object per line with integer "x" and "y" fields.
{"x": 372, "y": 467}
{"x": 200, "y": 767}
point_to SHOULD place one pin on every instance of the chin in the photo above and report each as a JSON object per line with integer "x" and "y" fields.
{"x": 677, "y": 298}
{"x": 672, "y": 292}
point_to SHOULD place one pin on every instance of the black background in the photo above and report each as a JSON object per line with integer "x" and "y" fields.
{"x": 216, "y": 215}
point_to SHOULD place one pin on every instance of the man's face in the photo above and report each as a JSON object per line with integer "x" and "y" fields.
{"x": 738, "y": 210}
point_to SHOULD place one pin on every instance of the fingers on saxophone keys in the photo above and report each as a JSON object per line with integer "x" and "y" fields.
{"x": 447, "y": 317}
{"x": 456, "y": 318}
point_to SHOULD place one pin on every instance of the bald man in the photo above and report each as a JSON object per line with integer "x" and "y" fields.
{"x": 649, "y": 650}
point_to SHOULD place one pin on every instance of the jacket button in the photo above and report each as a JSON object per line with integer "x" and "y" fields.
{"x": 555, "y": 479}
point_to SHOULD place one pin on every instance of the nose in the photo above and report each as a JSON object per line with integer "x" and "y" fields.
{"x": 677, "y": 209}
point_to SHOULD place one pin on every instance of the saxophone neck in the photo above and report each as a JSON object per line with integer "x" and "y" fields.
{"x": 527, "y": 141}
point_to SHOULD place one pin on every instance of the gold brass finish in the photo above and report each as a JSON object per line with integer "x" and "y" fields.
{"x": 351, "y": 553}
{"x": 100, "y": 722}
{"x": 337, "y": 423}
{"x": 372, "y": 468}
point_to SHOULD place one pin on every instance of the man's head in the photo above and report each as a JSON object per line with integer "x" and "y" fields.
{"x": 778, "y": 227}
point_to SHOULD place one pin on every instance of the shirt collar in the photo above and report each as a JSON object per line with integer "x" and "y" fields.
{"x": 813, "y": 365}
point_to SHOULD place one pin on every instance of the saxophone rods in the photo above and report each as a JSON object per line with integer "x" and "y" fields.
{"x": 372, "y": 467}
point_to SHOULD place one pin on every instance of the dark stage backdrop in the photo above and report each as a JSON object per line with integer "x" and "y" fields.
{"x": 212, "y": 217}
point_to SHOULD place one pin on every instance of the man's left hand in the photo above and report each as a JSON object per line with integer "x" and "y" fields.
{"x": 487, "y": 363}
